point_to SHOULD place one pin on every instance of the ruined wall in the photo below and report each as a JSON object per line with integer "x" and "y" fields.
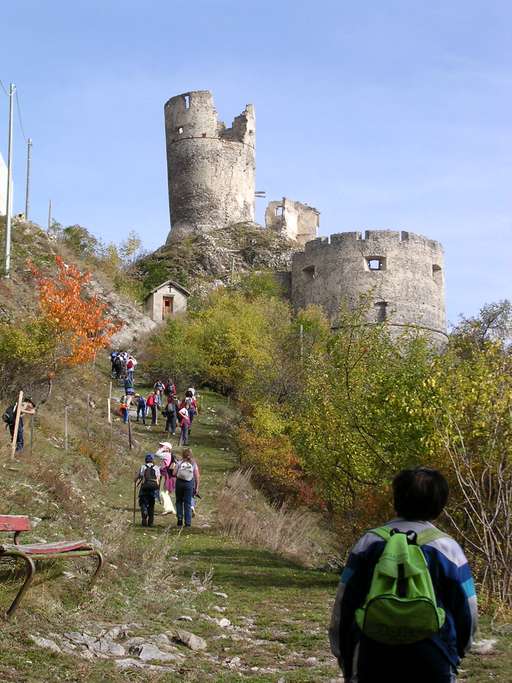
{"x": 294, "y": 220}
{"x": 211, "y": 168}
{"x": 404, "y": 271}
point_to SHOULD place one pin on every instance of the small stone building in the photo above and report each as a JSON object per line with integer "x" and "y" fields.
{"x": 166, "y": 300}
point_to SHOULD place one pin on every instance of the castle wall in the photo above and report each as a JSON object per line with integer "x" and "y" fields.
{"x": 294, "y": 220}
{"x": 211, "y": 168}
{"x": 406, "y": 284}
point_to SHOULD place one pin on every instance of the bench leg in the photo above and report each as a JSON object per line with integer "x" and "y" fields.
{"x": 100, "y": 559}
{"x": 30, "y": 570}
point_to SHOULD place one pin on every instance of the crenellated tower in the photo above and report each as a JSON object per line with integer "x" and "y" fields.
{"x": 211, "y": 168}
{"x": 402, "y": 272}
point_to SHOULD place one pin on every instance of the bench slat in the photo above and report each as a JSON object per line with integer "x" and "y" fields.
{"x": 49, "y": 548}
{"x": 14, "y": 523}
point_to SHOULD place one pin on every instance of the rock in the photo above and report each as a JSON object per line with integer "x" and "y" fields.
{"x": 484, "y": 647}
{"x": 46, "y": 643}
{"x": 234, "y": 663}
{"x": 106, "y": 646}
{"x": 220, "y": 595}
{"x": 223, "y": 623}
{"x": 184, "y": 617}
{"x": 219, "y": 609}
{"x": 311, "y": 661}
{"x": 148, "y": 652}
{"x": 192, "y": 641}
{"x": 137, "y": 664}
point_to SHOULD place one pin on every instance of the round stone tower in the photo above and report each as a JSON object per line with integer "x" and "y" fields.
{"x": 211, "y": 168}
{"x": 402, "y": 272}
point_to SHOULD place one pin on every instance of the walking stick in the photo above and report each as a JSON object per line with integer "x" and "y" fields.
{"x": 134, "y": 500}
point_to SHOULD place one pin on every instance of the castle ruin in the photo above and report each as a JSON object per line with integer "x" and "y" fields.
{"x": 211, "y": 172}
{"x": 211, "y": 168}
{"x": 401, "y": 272}
{"x": 295, "y": 221}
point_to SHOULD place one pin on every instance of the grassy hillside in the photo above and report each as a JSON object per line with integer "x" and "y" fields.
{"x": 158, "y": 580}
{"x": 262, "y": 614}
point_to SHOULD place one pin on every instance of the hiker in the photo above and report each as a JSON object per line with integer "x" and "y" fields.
{"x": 158, "y": 388}
{"x": 170, "y": 388}
{"x": 152, "y": 403}
{"x": 149, "y": 479}
{"x": 168, "y": 472}
{"x": 426, "y": 639}
{"x": 187, "y": 486}
{"x": 113, "y": 358}
{"x": 184, "y": 419}
{"x": 129, "y": 389}
{"x": 124, "y": 409}
{"x": 140, "y": 402}
{"x": 170, "y": 413}
{"x": 191, "y": 405}
{"x": 130, "y": 367}
{"x": 28, "y": 407}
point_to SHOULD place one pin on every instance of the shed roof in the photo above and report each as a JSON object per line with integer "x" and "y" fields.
{"x": 164, "y": 284}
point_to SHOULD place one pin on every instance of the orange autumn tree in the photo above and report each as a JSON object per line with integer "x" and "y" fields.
{"x": 77, "y": 318}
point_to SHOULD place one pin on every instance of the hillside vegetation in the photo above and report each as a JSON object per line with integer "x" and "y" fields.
{"x": 255, "y": 577}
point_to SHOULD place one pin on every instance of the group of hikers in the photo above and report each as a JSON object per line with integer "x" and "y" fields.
{"x": 178, "y": 475}
{"x": 162, "y": 399}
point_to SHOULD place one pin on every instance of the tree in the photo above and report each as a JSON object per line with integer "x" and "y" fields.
{"x": 77, "y": 319}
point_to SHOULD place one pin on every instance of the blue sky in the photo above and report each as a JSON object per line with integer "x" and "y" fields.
{"x": 381, "y": 113}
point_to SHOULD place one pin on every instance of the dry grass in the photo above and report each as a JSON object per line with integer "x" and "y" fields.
{"x": 247, "y": 516}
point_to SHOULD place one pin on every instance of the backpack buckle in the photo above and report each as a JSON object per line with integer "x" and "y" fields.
{"x": 412, "y": 536}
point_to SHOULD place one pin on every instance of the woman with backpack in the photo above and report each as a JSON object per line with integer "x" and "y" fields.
{"x": 148, "y": 477}
{"x": 187, "y": 486}
{"x": 171, "y": 414}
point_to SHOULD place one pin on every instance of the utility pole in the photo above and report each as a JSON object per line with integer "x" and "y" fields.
{"x": 27, "y": 185}
{"x": 49, "y": 214}
{"x": 8, "y": 212}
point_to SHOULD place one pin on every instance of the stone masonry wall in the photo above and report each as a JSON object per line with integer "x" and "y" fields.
{"x": 211, "y": 168}
{"x": 294, "y": 220}
{"x": 404, "y": 273}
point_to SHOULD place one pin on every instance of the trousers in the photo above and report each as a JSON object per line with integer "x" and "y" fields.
{"x": 184, "y": 493}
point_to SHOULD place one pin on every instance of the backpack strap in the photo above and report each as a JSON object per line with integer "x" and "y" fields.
{"x": 383, "y": 532}
{"x": 430, "y": 535}
{"x": 423, "y": 538}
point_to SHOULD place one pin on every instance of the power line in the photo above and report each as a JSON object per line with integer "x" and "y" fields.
{"x": 4, "y": 89}
{"x": 18, "y": 110}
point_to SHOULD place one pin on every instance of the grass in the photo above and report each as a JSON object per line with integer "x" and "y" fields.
{"x": 278, "y": 608}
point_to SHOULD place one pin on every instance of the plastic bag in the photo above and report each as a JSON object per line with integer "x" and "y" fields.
{"x": 166, "y": 500}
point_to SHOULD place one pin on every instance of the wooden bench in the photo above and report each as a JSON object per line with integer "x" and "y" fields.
{"x": 39, "y": 551}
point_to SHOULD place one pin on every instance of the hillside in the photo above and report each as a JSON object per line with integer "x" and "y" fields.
{"x": 200, "y": 261}
{"x": 262, "y": 613}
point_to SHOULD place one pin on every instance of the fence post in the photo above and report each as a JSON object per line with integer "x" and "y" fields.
{"x": 66, "y": 428}
{"x": 16, "y": 424}
{"x": 88, "y": 416}
{"x": 32, "y": 420}
{"x": 130, "y": 442}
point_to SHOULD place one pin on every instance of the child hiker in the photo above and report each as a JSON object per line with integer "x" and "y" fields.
{"x": 406, "y": 605}
{"x": 149, "y": 479}
{"x": 168, "y": 473}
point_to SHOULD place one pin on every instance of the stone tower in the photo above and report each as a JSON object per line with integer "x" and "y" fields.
{"x": 211, "y": 168}
{"x": 403, "y": 273}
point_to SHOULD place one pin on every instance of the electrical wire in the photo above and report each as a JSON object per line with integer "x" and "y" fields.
{"x": 4, "y": 89}
{"x": 18, "y": 110}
